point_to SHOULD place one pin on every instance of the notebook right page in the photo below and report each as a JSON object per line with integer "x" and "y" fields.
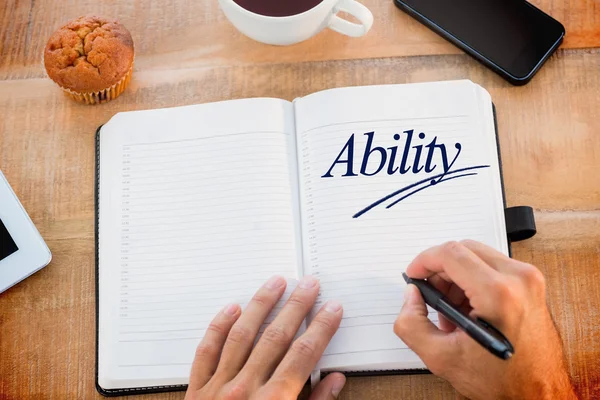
{"x": 386, "y": 172}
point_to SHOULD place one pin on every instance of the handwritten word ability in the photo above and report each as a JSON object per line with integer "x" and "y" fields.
{"x": 416, "y": 159}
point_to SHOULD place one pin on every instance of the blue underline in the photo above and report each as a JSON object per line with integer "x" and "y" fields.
{"x": 430, "y": 179}
{"x": 425, "y": 187}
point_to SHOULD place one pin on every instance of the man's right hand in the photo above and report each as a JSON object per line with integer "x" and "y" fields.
{"x": 509, "y": 294}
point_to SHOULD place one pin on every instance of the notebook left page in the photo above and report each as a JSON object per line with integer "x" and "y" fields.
{"x": 197, "y": 207}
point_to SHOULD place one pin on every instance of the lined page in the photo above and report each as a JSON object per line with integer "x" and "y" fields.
{"x": 198, "y": 207}
{"x": 361, "y": 227}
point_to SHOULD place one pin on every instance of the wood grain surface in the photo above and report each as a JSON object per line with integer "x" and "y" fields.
{"x": 195, "y": 33}
{"x": 188, "y": 54}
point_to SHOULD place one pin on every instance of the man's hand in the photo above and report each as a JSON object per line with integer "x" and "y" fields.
{"x": 227, "y": 367}
{"x": 509, "y": 294}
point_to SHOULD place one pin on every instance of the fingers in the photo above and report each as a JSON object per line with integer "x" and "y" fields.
{"x": 329, "y": 388}
{"x": 493, "y": 257}
{"x": 461, "y": 265}
{"x": 527, "y": 273}
{"x": 209, "y": 350}
{"x": 276, "y": 339}
{"x": 243, "y": 332}
{"x": 455, "y": 294}
{"x": 418, "y": 332}
{"x": 491, "y": 281}
{"x": 304, "y": 353}
{"x": 440, "y": 283}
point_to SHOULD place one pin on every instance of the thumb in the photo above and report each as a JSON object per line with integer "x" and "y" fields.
{"x": 329, "y": 388}
{"x": 415, "y": 329}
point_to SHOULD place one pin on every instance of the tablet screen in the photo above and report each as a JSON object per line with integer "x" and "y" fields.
{"x": 7, "y": 244}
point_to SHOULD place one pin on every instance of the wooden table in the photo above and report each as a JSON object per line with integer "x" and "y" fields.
{"x": 187, "y": 53}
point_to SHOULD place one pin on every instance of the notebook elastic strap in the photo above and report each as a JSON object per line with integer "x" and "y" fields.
{"x": 520, "y": 223}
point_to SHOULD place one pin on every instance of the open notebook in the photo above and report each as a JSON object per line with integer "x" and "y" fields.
{"x": 199, "y": 205}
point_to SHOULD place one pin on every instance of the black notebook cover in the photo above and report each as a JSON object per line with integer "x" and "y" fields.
{"x": 101, "y": 390}
{"x": 158, "y": 389}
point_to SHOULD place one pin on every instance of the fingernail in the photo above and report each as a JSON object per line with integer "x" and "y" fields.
{"x": 275, "y": 282}
{"x": 333, "y": 306}
{"x": 409, "y": 292}
{"x": 230, "y": 309}
{"x": 308, "y": 282}
{"x": 338, "y": 385}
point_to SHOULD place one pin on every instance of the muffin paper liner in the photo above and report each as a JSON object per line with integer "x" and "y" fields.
{"x": 101, "y": 96}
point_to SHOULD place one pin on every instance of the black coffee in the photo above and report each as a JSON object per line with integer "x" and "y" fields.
{"x": 278, "y": 8}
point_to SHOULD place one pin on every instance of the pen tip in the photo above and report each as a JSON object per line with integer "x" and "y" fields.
{"x": 507, "y": 354}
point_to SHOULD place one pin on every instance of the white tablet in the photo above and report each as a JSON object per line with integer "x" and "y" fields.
{"x": 22, "y": 249}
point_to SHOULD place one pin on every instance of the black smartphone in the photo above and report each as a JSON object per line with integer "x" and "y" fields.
{"x": 512, "y": 37}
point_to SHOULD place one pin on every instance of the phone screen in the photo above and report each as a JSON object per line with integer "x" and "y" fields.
{"x": 7, "y": 244}
{"x": 512, "y": 34}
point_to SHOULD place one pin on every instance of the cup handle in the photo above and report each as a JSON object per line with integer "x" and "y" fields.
{"x": 353, "y": 7}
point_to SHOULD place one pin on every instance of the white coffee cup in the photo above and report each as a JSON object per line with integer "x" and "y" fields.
{"x": 296, "y": 28}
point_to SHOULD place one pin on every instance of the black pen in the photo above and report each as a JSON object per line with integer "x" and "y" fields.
{"x": 479, "y": 330}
